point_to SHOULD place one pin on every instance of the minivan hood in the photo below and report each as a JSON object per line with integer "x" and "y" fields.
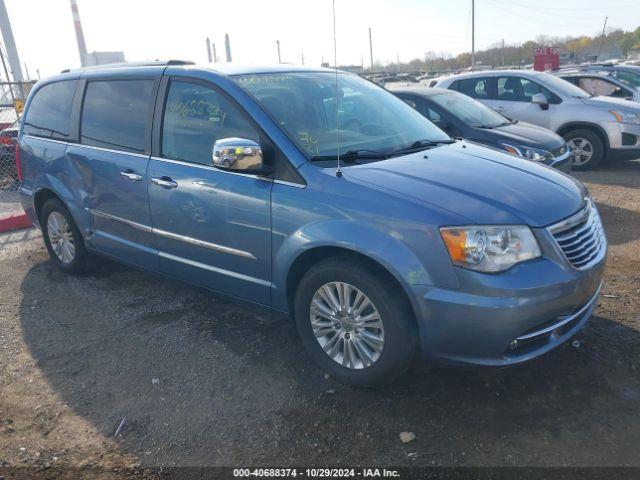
{"x": 521, "y": 133}
{"x": 480, "y": 184}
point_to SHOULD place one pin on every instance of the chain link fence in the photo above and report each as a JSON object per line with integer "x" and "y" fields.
{"x": 12, "y": 98}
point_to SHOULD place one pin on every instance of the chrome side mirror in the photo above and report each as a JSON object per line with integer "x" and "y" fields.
{"x": 540, "y": 99}
{"x": 238, "y": 155}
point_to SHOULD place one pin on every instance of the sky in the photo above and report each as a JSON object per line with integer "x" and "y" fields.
{"x": 404, "y": 29}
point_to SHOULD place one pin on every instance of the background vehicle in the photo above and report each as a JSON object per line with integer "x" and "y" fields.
{"x": 601, "y": 84}
{"x": 417, "y": 242}
{"x": 464, "y": 117}
{"x": 595, "y": 127}
{"x": 627, "y": 73}
{"x": 8, "y": 139}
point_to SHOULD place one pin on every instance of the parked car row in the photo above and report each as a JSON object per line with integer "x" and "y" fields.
{"x": 595, "y": 127}
{"x": 322, "y": 196}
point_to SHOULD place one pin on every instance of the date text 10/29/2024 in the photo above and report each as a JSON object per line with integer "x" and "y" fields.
{"x": 315, "y": 473}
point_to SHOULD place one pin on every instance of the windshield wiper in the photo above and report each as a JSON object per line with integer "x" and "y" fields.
{"x": 352, "y": 155}
{"x": 420, "y": 145}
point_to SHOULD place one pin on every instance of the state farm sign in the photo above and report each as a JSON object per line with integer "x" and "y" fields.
{"x": 546, "y": 58}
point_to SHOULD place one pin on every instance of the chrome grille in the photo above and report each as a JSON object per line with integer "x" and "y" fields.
{"x": 581, "y": 237}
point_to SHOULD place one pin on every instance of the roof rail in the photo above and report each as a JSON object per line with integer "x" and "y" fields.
{"x": 154, "y": 63}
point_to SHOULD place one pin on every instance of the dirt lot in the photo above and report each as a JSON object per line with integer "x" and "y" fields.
{"x": 192, "y": 380}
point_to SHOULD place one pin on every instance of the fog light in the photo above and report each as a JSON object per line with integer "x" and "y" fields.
{"x": 513, "y": 345}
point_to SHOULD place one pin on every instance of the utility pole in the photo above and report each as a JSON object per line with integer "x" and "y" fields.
{"x": 473, "y": 34}
{"x": 370, "y": 49}
{"x": 278, "y": 46}
{"x": 502, "y": 54}
{"x": 10, "y": 44}
{"x": 604, "y": 27}
{"x": 209, "y": 50}
{"x": 397, "y": 63}
{"x": 302, "y": 55}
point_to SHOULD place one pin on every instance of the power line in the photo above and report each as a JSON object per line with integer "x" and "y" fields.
{"x": 529, "y": 18}
{"x": 573, "y": 9}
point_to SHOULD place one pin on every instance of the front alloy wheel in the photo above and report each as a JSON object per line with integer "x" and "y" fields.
{"x": 587, "y": 148}
{"x": 581, "y": 151}
{"x": 355, "y": 321}
{"x": 347, "y": 325}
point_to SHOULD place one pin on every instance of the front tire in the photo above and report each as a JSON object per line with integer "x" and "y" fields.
{"x": 355, "y": 323}
{"x": 587, "y": 149}
{"x": 62, "y": 237}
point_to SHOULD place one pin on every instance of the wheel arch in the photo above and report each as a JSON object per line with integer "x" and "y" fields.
{"x": 310, "y": 257}
{"x": 593, "y": 127}
{"x": 40, "y": 198}
{"x": 378, "y": 250}
{"x": 45, "y": 193}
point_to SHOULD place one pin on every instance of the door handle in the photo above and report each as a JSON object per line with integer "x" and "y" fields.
{"x": 164, "y": 182}
{"x": 131, "y": 176}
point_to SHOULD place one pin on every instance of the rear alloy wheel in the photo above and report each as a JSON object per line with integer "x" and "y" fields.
{"x": 355, "y": 322}
{"x": 62, "y": 237}
{"x": 587, "y": 150}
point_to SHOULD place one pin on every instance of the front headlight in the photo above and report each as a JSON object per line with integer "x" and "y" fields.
{"x": 490, "y": 248}
{"x": 623, "y": 116}
{"x": 535, "y": 154}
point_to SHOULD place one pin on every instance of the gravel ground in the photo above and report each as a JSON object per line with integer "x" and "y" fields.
{"x": 188, "y": 379}
{"x": 9, "y": 204}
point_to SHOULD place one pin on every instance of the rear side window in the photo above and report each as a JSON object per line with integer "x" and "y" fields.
{"x": 115, "y": 114}
{"x": 473, "y": 87}
{"x": 50, "y": 110}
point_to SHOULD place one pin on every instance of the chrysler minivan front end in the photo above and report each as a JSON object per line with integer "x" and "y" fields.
{"x": 318, "y": 195}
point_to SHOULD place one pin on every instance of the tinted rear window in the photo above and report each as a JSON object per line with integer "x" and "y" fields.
{"x": 115, "y": 114}
{"x": 50, "y": 110}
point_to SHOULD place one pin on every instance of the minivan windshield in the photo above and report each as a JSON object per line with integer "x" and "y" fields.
{"x": 561, "y": 87}
{"x": 367, "y": 120}
{"x": 468, "y": 110}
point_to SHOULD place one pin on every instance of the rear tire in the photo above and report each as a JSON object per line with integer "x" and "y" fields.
{"x": 586, "y": 147}
{"x": 356, "y": 342}
{"x": 62, "y": 237}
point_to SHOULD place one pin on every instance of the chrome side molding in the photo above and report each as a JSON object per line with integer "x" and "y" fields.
{"x": 174, "y": 236}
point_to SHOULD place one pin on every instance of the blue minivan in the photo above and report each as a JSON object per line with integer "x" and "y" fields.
{"x": 316, "y": 194}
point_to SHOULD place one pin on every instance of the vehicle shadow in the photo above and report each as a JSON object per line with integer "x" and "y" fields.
{"x": 616, "y": 172}
{"x": 196, "y": 380}
{"x": 620, "y": 224}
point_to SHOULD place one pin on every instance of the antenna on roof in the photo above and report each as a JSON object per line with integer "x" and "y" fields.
{"x": 335, "y": 66}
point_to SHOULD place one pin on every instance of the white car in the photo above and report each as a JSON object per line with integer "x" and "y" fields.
{"x": 594, "y": 127}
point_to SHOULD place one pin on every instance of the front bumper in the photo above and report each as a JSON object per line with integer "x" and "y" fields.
{"x": 508, "y": 318}
{"x": 623, "y": 139}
